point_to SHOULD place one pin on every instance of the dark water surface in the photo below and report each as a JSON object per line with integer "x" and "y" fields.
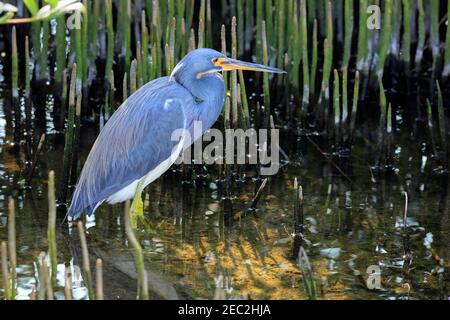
{"x": 192, "y": 248}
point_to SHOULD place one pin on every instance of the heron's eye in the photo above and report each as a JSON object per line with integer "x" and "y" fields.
{"x": 215, "y": 60}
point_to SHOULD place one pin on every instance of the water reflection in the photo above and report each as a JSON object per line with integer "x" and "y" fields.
{"x": 194, "y": 248}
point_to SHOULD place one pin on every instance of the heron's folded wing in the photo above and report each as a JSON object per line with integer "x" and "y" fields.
{"x": 134, "y": 141}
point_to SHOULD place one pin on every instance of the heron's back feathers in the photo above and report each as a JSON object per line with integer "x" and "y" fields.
{"x": 133, "y": 142}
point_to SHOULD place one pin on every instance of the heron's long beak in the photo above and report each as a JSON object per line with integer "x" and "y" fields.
{"x": 228, "y": 64}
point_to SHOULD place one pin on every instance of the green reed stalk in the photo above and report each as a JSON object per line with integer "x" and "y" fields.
{"x": 156, "y": 40}
{"x": 67, "y": 284}
{"x": 407, "y": 32}
{"x": 268, "y": 18}
{"x": 28, "y": 70}
{"x": 36, "y": 43}
{"x": 79, "y": 52}
{"x": 234, "y": 82}
{"x": 182, "y": 39}
{"x": 76, "y": 134}
{"x": 14, "y": 65}
{"x": 383, "y": 121}
{"x": 223, "y": 41}
{"x": 422, "y": 35}
{"x": 396, "y": 25}
{"x": 190, "y": 5}
{"x": 48, "y": 280}
{"x": 51, "y": 228}
{"x": 354, "y": 107}
{"x": 167, "y": 55}
{"x": 266, "y": 84}
{"x": 362, "y": 37}
{"x": 86, "y": 264}
{"x": 305, "y": 60}
{"x": 296, "y": 50}
{"x": 144, "y": 49}
{"x": 12, "y": 245}
{"x": 99, "y": 279}
{"x": 138, "y": 255}
{"x": 127, "y": 31}
{"x": 60, "y": 48}
{"x": 259, "y": 19}
{"x": 41, "y": 276}
{"x": 315, "y": 54}
{"x": 192, "y": 44}
{"x": 330, "y": 28}
{"x": 281, "y": 27}
{"x": 43, "y": 61}
{"x": 431, "y": 128}
{"x": 110, "y": 39}
{"x": 349, "y": 23}
{"x": 434, "y": 33}
{"x": 172, "y": 45}
{"x": 170, "y": 15}
{"x": 249, "y": 23}
{"x": 389, "y": 119}
{"x": 125, "y": 87}
{"x": 201, "y": 24}
{"x": 209, "y": 29}
{"x": 93, "y": 32}
{"x": 63, "y": 105}
{"x": 240, "y": 25}
{"x": 133, "y": 75}
{"x": 446, "y": 71}
{"x": 307, "y": 275}
{"x": 442, "y": 124}
{"x": 69, "y": 138}
{"x": 110, "y": 101}
{"x": 246, "y": 112}
{"x": 336, "y": 106}
{"x": 181, "y": 29}
{"x": 345, "y": 106}
{"x": 327, "y": 65}
{"x": 5, "y": 272}
{"x": 321, "y": 16}
{"x": 384, "y": 38}
{"x": 85, "y": 42}
{"x": 312, "y": 5}
{"x": 139, "y": 69}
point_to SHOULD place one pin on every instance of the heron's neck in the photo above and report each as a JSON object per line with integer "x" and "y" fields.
{"x": 209, "y": 87}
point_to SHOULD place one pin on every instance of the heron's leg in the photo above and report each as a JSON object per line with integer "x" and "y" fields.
{"x": 137, "y": 206}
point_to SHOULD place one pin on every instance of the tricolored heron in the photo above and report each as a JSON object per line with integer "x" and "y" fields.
{"x": 135, "y": 147}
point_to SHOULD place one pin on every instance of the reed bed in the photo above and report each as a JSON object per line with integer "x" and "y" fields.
{"x": 145, "y": 40}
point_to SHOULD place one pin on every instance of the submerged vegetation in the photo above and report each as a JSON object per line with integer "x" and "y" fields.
{"x": 340, "y": 57}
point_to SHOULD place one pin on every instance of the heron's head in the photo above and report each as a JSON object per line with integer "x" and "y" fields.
{"x": 203, "y": 63}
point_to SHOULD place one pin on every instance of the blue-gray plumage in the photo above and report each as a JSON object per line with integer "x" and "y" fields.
{"x": 135, "y": 147}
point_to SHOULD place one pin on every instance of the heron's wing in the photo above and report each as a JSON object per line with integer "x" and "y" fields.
{"x": 133, "y": 142}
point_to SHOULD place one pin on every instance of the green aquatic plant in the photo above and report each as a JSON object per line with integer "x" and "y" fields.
{"x": 15, "y": 66}
{"x": 309, "y": 282}
{"x": 442, "y": 124}
{"x": 349, "y": 22}
{"x": 12, "y": 246}
{"x": 85, "y": 261}
{"x": 362, "y": 55}
{"x": 385, "y": 38}
{"x": 51, "y": 228}
{"x": 69, "y": 138}
{"x": 305, "y": 59}
{"x": 446, "y": 71}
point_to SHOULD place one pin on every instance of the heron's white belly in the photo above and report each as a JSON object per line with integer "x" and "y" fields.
{"x": 129, "y": 191}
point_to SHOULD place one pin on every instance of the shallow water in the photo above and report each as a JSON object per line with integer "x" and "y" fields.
{"x": 194, "y": 249}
